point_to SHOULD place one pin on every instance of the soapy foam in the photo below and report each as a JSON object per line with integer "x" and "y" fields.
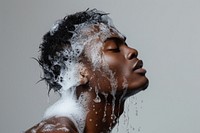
{"x": 93, "y": 37}
{"x": 68, "y": 106}
{"x": 55, "y": 27}
{"x": 63, "y": 129}
{"x": 89, "y": 38}
{"x": 48, "y": 128}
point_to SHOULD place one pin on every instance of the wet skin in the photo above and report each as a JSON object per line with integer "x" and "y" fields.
{"x": 119, "y": 64}
{"x": 123, "y": 63}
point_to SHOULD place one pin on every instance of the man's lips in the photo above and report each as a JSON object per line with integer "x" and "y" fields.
{"x": 137, "y": 67}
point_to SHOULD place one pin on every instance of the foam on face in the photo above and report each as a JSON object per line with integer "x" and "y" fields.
{"x": 87, "y": 38}
{"x": 97, "y": 35}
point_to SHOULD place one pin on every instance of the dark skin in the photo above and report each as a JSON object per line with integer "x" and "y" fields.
{"x": 102, "y": 116}
{"x": 61, "y": 123}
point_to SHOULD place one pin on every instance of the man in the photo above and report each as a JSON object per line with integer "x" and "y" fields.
{"x": 87, "y": 61}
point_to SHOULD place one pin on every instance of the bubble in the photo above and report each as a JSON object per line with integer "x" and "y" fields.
{"x": 97, "y": 99}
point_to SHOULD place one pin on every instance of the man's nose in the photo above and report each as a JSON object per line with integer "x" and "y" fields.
{"x": 132, "y": 53}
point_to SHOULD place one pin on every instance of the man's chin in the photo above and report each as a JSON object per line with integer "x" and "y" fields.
{"x": 136, "y": 88}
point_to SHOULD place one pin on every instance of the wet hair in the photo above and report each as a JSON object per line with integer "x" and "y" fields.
{"x": 58, "y": 39}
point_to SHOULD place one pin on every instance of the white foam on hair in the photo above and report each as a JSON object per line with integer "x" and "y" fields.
{"x": 93, "y": 38}
{"x": 55, "y": 27}
{"x": 64, "y": 129}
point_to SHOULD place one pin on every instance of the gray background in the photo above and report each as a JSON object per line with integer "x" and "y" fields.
{"x": 165, "y": 32}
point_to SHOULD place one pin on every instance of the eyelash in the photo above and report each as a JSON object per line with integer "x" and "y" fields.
{"x": 115, "y": 49}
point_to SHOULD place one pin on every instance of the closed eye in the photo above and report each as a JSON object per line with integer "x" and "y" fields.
{"x": 110, "y": 45}
{"x": 113, "y": 44}
{"x": 115, "y": 50}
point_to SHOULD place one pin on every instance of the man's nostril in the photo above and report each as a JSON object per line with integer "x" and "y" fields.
{"x": 132, "y": 54}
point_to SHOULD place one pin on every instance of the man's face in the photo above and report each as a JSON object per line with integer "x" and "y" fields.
{"x": 124, "y": 64}
{"x": 118, "y": 69}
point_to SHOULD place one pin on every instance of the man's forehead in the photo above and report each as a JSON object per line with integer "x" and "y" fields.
{"x": 101, "y": 31}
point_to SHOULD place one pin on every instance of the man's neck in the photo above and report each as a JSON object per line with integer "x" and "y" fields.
{"x": 103, "y": 113}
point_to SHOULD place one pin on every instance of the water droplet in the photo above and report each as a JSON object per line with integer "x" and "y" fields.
{"x": 90, "y": 89}
{"x": 97, "y": 99}
{"x": 104, "y": 120}
{"x": 139, "y": 129}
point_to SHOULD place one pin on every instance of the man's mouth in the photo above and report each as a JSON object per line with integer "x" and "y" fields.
{"x": 137, "y": 67}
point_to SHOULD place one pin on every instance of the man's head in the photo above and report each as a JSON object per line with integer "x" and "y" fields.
{"x": 80, "y": 46}
{"x": 63, "y": 45}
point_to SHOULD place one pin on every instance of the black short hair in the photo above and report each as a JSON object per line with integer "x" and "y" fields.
{"x": 58, "y": 39}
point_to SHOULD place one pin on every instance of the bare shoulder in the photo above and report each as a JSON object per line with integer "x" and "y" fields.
{"x": 54, "y": 125}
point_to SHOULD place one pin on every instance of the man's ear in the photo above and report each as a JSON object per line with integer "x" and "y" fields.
{"x": 83, "y": 76}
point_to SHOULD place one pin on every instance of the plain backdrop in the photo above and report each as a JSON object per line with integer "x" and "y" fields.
{"x": 165, "y": 32}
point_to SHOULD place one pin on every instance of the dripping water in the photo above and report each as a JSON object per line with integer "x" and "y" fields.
{"x": 105, "y": 107}
{"x": 97, "y": 99}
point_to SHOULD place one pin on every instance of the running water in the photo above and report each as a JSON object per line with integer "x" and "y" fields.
{"x": 125, "y": 87}
{"x": 97, "y": 99}
{"x": 130, "y": 119}
{"x": 105, "y": 107}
